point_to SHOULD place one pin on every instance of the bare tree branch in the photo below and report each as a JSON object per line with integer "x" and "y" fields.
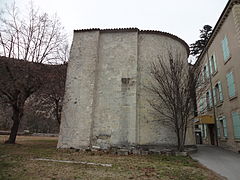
{"x": 172, "y": 85}
{"x": 37, "y": 38}
{"x": 33, "y": 41}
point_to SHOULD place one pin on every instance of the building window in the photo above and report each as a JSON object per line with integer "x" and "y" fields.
{"x": 217, "y": 93}
{"x": 209, "y": 99}
{"x": 236, "y": 124}
{"x": 206, "y": 72}
{"x": 203, "y": 76}
{"x": 125, "y": 80}
{"x": 231, "y": 85}
{"x": 225, "y": 48}
{"x": 222, "y": 127}
{"x": 201, "y": 79}
{"x": 202, "y": 104}
{"x": 213, "y": 65}
{"x": 199, "y": 82}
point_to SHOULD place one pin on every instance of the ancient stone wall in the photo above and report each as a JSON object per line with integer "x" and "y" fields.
{"x": 114, "y": 110}
{"x": 151, "y": 46}
{"x": 105, "y": 102}
{"x": 76, "y": 121}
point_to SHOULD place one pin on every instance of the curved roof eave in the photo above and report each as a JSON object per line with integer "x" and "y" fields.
{"x": 141, "y": 31}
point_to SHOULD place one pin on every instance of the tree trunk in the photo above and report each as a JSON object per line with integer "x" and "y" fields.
{"x": 179, "y": 143}
{"x": 180, "y": 138}
{"x": 181, "y": 146}
{"x": 57, "y": 109}
{"x": 17, "y": 115}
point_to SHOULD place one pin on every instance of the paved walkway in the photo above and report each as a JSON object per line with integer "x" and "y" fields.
{"x": 223, "y": 162}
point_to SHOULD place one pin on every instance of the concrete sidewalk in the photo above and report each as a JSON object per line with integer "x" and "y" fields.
{"x": 223, "y": 162}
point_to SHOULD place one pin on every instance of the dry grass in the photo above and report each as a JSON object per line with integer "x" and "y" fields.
{"x": 16, "y": 163}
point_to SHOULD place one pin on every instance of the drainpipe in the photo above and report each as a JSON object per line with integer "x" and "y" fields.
{"x": 214, "y": 106}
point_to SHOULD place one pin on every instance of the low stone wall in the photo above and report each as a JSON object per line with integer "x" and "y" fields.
{"x": 150, "y": 150}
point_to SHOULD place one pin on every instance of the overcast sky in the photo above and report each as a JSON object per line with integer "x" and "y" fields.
{"x": 183, "y": 18}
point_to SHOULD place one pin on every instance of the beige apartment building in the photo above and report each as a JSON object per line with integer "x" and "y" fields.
{"x": 218, "y": 94}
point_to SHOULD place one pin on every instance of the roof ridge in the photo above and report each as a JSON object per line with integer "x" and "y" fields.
{"x": 106, "y": 29}
{"x": 133, "y": 29}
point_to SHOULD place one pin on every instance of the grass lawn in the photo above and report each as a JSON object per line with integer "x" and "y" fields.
{"x": 16, "y": 163}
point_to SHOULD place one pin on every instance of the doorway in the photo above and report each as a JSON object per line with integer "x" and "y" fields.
{"x": 211, "y": 133}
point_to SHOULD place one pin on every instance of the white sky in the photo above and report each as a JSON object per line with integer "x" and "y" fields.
{"x": 183, "y": 18}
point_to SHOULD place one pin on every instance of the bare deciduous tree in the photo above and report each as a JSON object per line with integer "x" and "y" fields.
{"x": 53, "y": 91}
{"x": 172, "y": 86}
{"x": 17, "y": 83}
{"x": 36, "y": 38}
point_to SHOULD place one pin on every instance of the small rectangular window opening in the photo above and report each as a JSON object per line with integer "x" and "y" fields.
{"x": 125, "y": 80}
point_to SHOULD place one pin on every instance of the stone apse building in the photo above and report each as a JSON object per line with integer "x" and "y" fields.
{"x": 105, "y": 102}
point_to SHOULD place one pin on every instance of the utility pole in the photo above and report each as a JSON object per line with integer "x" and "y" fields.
{"x": 212, "y": 98}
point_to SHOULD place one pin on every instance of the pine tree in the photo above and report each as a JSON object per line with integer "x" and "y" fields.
{"x": 197, "y": 47}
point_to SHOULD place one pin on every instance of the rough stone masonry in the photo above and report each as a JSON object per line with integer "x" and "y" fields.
{"x": 105, "y": 103}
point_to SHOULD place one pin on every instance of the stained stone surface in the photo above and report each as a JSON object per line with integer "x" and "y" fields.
{"x": 105, "y": 103}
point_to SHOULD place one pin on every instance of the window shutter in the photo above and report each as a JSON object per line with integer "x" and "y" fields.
{"x": 225, "y": 48}
{"x": 220, "y": 91}
{"x": 207, "y": 71}
{"x": 211, "y": 66}
{"x": 204, "y": 103}
{"x": 200, "y": 105}
{"x": 214, "y": 96}
{"x": 214, "y": 63}
{"x": 224, "y": 127}
{"x": 210, "y": 98}
{"x": 203, "y": 78}
{"x": 236, "y": 124}
{"x": 231, "y": 85}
